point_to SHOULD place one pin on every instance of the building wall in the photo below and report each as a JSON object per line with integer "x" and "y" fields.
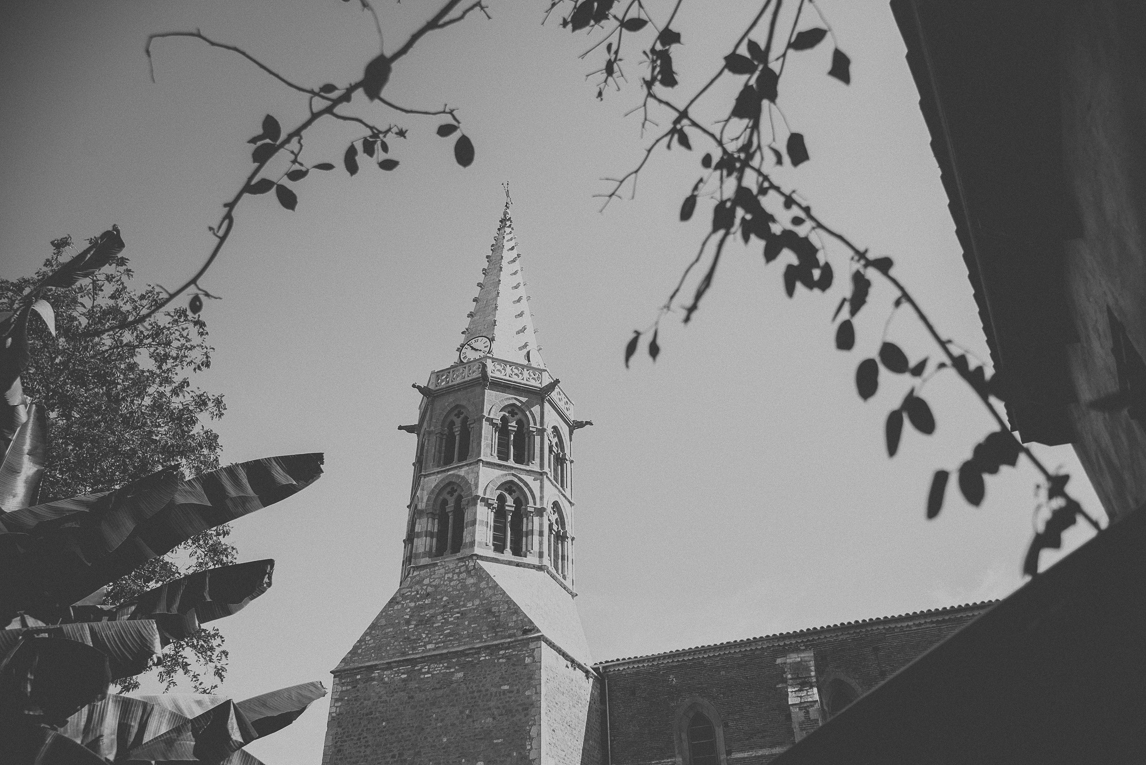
{"x": 570, "y": 711}
{"x": 1104, "y": 121}
{"x": 757, "y": 687}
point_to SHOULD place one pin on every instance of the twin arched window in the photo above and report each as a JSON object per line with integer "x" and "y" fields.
{"x": 558, "y": 459}
{"x": 558, "y": 538}
{"x": 450, "y": 517}
{"x": 509, "y": 521}
{"x": 513, "y": 437}
{"x": 455, "y": 439}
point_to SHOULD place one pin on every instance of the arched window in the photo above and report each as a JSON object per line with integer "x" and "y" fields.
{"x": 509, "y": 521}
{"x": 513, "y": 437}
{"x": 456, "y": 439}
{"x": 838, "y": 694}
{"x": 701, "y": 735}
{"x": 558, "y": 542}
{"x": 558, "y": 459}
{"x": 450, "y": 523}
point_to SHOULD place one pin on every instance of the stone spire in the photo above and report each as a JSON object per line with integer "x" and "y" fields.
{"x": 501, "y": 309}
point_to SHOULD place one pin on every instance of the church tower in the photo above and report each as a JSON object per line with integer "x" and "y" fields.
{"x": 479, "y": 657}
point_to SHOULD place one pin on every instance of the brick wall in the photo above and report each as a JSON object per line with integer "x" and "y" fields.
{"x": 748, "y": 684}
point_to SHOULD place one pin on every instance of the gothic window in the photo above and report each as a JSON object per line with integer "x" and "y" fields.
{"x": 450, "y": 522}
{"x": 558, "y": 459}
{"x": 456, "y": 439}
{"x": 509, "y": 521}
{"x": 513, "y": 437}
{"x": 837, "y": 695}
{"x": 702, "y": 740}
{"x": 558, "y": 542}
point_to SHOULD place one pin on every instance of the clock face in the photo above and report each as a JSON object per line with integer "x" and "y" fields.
{"x": 476, "y": 348}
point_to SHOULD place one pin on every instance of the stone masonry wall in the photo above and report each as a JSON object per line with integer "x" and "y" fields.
{"x": 569, "y": 726}
{"x": 747, "y": 684}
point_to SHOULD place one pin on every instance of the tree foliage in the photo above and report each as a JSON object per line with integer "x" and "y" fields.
{"x": 120, "y": 406}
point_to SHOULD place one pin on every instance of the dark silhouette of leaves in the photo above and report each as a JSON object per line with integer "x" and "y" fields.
{"x": 668, "y": 37}
{"x": 376, "y": 76}
{"x": 766, "y": 84}
{"x": 195, "y": 305}
{"x": 935, "y": 496}
{"x": 893, "y": 430}
{"x": 845, "y": 335}
{"x": 883, "y": 265}
{"x": 867, "y": 378}
{"x": 737, "y": 64}
{"x": 861, "y": 285}
{"x": 271, "y": 131}
{"x": 971, "y": 483}
{"x": 747, "y": 106}
{"x": 773, "y": 246}
{"x": 447, "y": 129}
{"x": 665, "y": 74}
{"x": 350, "y": 159}
{"x": 634, "y": 24}
{"x": 723, "y": 215}
{"x": 582, "y": 15}
{"x": 464, "y": 151}
{"x": 919, "y": 413}
{"x": 797, "y": 151}
{"x": 918, "y": 369}
{"x": 261, "y": 186}
{"x": 756, "y": 52}
{"x": 809, "y": 38}
{"x": 297, "y": 174}
{"x": 368, "y": 145}
{"x": 824, "y": 281}
{"x": 323, "y": 166}
{"x": 286, "y": 197}
{"x": 997, "y": 449}
{"x": 682, "y": 139}
{"x": 892, "y": 357}
{"x": 388, "y": 164}
{"x": 383, "y": 146}
{"x": 601, "y": 10}
{"x": 631, "y": 347}
{"x": 791, "y": 276}
{"x": 654, "y": 347}
{"x": 263, "y": 152}
{"x": 706, "y": 161}
{"x": 327, "y": 88}
{"x": 841, "y": 68}
{"x": 688, "y": 207}
{"x": 91, "y": 259}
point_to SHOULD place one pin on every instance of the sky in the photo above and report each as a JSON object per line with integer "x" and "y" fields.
{"x": 736, "y": 487}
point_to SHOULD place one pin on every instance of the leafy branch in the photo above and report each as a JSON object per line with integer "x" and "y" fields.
{"x": 325, "y": 101}
{"x": 746, "y": 202}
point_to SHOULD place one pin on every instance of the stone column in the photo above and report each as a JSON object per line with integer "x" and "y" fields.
{"x": 803, "y": 695}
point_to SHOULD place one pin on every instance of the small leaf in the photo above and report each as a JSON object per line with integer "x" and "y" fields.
{"x": 737, "y": 64}
{"x": 682, "y": 139}
{"x": 297, "y": 175}
{"x": 631, "y": 347}
{"x": 971, "y": 483}
{"x": 350, "y": 159}
{"x": 919, "y": 414}
{"x": 383, "y": 146}
{"x": 867, "y": 378}
{"x": 447, "y": 129}
{"x": 892, "y": 357}
{"x": 772, "y": 248}
{"x": 368, "y": 145}
{"x": 464, "y": 151}
{"x": 920, "y": 366}
{"x": 883, "y": 265}
{"x": 935, "y": 496}
{"x": 376, "y": 76}
{"x": 809, "y": 38}
{"x": 747, "y": 106}
{"x": 44, "y": 308}
{"x": 582, "y": 15}
{"x": 327, "y": 88}
{"x": 845, "y": 335}
{"x": 798, "y": 220}
{"x": 706, "y": 161}
{"x": 791, "y": 276}
{"x": 388, "y": 164}
{"x": 861, "y": 285}
{"x": 687, "y": 207}
{"x": 286, "y": 197}
{"x": 271, "y": 129}
{"x": 261, "y": 186}
{"x": 841, "y": 68}
{"x": 668, "y": 37}
{"x": 893, "y": 430}
{"x": 322, "y": 166}
{"x": 634, "y": 24}
{"x": 195, "y": 305}
{"x": 824, "y": 281}
{"x": 723, "y": 215}
{"x": 797, "y": 151}
{"x": 263, "y": 152}
{"x": 756, "y": 52}
{"x": 654, "y": 347}
{"x": 767, "y": 83}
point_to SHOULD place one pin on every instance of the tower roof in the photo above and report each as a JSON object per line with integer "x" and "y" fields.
{"x": 501, "y": 309}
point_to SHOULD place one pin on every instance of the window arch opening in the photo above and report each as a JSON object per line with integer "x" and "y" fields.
{"x": 513, "y": 437}
{"x": 558, "y": 459}
{"x": 456, "y": 439}
{"x": 449, "y": 523}
{"x": 509, "y": 521}
{"x": 558, "y": 542}
{"x": 838, "y": 695}
{"x": 701, "y": 735}
{"x": 457, "y": 525}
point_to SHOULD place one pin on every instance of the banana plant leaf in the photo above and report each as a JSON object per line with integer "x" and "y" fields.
{"x": 28, "y": 744}
{"x": 47, "y": 679}
{"x": 25, "y": 454}
{"x": 224, "y": 729}
{"x": 54, "y": 554}
{"x": 128, "y": 646}
{"x": 180, "y": 606}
